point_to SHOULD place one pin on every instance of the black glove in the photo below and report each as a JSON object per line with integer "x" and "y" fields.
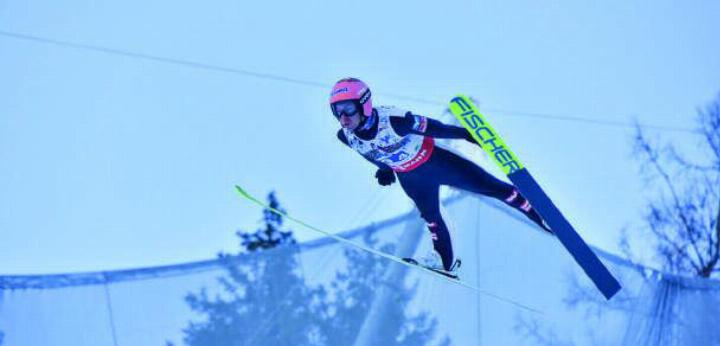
{"x": 385, "y": 177}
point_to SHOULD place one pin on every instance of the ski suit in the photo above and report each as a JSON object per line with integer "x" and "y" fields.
{"x": 401, "y": 142}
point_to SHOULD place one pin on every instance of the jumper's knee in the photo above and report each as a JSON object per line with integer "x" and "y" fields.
{"x": 518, "y": 201}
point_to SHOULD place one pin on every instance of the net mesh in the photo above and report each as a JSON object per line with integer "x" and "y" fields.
{"x": 325, "y": 293}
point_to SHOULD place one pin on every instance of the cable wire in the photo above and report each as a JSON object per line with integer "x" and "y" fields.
{"x": 281, "y": 78}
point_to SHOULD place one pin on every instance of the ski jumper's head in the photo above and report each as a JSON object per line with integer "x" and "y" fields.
{"x": 351, "y": 102}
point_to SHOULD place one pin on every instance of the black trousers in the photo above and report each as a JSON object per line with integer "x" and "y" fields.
{"x": 422, "y": 185}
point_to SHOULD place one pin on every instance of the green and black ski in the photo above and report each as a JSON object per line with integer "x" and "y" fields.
{"x": 489, "y": 139}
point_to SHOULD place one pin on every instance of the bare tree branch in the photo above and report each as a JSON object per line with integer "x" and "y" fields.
{"x": 653, "y": 157}
{"x": 710, "y": 128}
{"x": 679, "y": 251}
{"x": 716, "y": 256}
{"x": 684, "y": 219}
{"x": 682, "y": 162}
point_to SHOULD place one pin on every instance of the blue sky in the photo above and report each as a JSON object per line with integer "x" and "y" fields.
{"x": 113, "y": 161}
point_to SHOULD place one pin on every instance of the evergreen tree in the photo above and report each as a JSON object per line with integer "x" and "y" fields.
{"x": 272, "y": 235}
{"x": 256, "y": 302}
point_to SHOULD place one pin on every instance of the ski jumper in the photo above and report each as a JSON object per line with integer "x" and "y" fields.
{"x": 399, "y": 141}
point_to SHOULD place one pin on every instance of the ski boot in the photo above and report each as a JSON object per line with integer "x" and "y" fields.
{"x": 433, "y": 261}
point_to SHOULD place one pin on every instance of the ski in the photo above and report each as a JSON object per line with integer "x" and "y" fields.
{"x": 436, "y": 273}
{"x": 465, "y": 111}
{"x": 393, "y": 258}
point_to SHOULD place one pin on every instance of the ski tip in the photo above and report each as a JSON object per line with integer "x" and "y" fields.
{"x": 241, "y": 191}
{"x": 462, "y": 98}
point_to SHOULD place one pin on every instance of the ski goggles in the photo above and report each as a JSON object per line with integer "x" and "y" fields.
{"x": 346, "y": 108}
